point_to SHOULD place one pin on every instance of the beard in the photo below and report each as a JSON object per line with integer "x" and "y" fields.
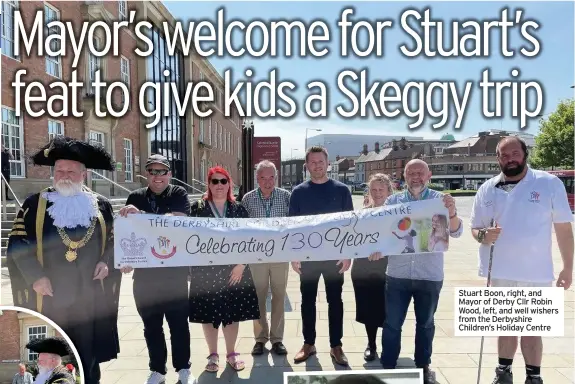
{"x": 513, "y": 169}
{"x": 416, "y": 188}
{"x": 68, "y": 188}
{"x": 43, "y": 370}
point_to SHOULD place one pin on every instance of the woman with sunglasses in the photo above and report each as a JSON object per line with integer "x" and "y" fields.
{"x": 221, "y": 294}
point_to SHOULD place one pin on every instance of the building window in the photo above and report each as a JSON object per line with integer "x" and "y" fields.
{"x": 225, "y": 146}
{"x": 203, "y": 171}
{"x": 201, "y": 129}
{"x": 230, "y": 143}
{"x": 129, "y": 170}
{"x": 97, "y": 138}
{"x": 170, "y": 136}
{"x": 210, "y": 132}
{"x": 35, "y": 333}
{"x": 221, "y": 143}
{"x": 53, "y": 63}
{"x": 8, "y": 9}
{"x": 493, "y": 168}
{"x": 123, "y": 10}
{"x": 13, "y": 140}
{"x": 215, "y": 135}
{"x": 239, "y": 148}
{"x": 125, "y": 75}
{"x": 55, "y": 128}
{"x": 94, "y": 64}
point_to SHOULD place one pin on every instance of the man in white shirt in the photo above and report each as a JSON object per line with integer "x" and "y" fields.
{"x": 515, "y": 213}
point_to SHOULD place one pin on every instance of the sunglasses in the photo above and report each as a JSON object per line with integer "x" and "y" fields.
{"x": 218, "y": 181}
{"x": 158, "y": 172}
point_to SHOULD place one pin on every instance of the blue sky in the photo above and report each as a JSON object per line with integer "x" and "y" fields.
{"x": 553, "y": 68}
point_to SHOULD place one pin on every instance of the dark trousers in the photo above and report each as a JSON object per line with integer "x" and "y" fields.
{"x": 78, "y": 324}
{"x": 6, "y": 175}
{"x": 153, "y": 302}
{"x": 309, "y": 280}
{"x": 398, "y": 294}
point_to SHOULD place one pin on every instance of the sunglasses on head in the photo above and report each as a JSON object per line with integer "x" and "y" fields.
{"x": 218, "y": 181}
{"x": 158, "y": 172}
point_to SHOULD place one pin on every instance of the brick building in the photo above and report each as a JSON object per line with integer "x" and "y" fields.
{"x": 390, "y": 158}
{"x": 16, "y": 330}
{"x": 192, "y": 144}
{"x": 25, "y": 134}
{"x": 470, "y": 162}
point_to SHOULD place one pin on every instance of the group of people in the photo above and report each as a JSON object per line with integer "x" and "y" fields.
{"x": 75, "y": 239}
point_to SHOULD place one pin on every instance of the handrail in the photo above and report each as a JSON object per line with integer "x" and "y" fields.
{"x": 143, "y": 177}
{"x": 11, "y": 190}
{"x": 199, "y": 182}
{"x": 187, "y": 185}
{"x": 111, "y": 181}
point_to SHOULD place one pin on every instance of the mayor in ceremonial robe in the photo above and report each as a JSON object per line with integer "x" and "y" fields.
{"x": 60, "y": 253}
{"x": 50, "y": 352}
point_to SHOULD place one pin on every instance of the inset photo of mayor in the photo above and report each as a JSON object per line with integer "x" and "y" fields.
{"x": 34, "y": 351}
{"x": 391, "y": 376}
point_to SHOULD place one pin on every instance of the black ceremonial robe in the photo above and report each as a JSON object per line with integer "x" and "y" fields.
{"x": 86, "y": 309}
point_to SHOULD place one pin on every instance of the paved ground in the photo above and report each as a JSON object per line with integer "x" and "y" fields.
{"x": 454, "y": 359}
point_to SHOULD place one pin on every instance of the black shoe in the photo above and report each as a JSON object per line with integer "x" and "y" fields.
{"x": 369, "y": 354}
{"x": 258, "y": 348}
{"x": 503, "y": 376}
{"x": 279, "y": 349}
{"x": 533, "y": 380}
{"x": 428, "y": 376}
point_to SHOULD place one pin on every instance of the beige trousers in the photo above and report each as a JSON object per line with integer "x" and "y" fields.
{"x": 277, "y": 275}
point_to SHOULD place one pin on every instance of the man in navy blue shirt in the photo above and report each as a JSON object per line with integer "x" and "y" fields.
{"x": 320, "y": 195}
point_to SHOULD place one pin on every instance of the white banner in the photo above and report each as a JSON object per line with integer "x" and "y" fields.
{"x": 149, "y": 241}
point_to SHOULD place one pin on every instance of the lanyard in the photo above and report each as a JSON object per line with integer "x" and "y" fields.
{"x": 215, "y": 210}
{"x": 423, "y": 195}
{"x": 268, "y": 209}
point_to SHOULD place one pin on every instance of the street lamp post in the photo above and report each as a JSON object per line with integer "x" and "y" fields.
{"x": 306, "y": 131}
{"x": 293, "y": 149}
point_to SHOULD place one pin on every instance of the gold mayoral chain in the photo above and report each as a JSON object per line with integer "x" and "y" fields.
{"x": 72, "y": 252}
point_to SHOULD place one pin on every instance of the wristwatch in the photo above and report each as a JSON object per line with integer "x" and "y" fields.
{"x": 481, "y": 235}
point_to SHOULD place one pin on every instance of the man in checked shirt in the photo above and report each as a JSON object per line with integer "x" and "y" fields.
{"x": 269, "y": 201}
{"x": 417, "y": 276}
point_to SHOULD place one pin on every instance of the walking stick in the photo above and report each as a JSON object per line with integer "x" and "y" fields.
{"x": 488, "y": 284}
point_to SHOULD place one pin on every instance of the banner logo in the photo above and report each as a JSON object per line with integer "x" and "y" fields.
{"x": 164, "y": 251}
{"x": 133, "y": 246}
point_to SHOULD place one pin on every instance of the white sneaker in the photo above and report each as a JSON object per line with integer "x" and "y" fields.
{"x": 185, "y": 376}
{"x": 156, "y": 378}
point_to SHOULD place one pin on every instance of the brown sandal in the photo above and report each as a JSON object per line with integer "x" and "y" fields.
{"x": 213, "y": 363}
{"x": 238, "y": 365}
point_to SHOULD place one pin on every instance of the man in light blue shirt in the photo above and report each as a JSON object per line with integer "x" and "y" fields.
{"x": 23, "y": 376}
{"x": 415, "y": 276}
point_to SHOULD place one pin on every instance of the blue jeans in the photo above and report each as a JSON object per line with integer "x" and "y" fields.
{"x": 398, "y": 294}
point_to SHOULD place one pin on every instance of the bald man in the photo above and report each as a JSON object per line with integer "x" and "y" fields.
{"x": 415, "y": 276}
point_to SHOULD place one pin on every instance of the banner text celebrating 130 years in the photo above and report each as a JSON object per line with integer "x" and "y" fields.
{"x": 148, "y": 241}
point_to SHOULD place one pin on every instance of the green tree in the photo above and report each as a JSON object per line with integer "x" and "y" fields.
{"x": 556, "y": 139}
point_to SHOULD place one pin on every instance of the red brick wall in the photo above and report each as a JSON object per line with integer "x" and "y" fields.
{"x": 9, "y": 336}
{"x": 228, "y": 158}
{"x": 36, "y": 129}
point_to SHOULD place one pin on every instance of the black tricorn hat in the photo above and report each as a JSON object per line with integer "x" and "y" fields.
{"x": 54, "y": 345}
{"x": 93, "y": 156}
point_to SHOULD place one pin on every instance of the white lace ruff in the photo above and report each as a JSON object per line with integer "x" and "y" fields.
{"x": 72, "y": 211}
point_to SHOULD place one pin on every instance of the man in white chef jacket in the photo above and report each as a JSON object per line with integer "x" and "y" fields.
{"x": 517, "y": 211}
